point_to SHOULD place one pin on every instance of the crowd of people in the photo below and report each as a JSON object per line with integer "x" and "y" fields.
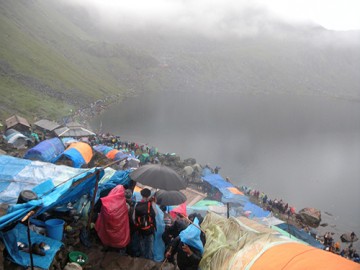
{"x": 143, "y": 231}
{"x": 281, "y": 207}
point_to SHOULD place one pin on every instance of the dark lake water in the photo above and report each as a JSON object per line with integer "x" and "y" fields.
{"x": 302, "y": 149}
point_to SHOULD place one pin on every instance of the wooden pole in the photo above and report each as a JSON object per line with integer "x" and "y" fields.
{"x": 27, "y": 217}
{"x": 197, "y": 226}
{"x": 93, "y": 200}
{"x": 228, "y": 210}
{"x": 166, "y": 259}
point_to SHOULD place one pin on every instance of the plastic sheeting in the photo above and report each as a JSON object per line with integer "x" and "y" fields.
{"x": 52, "y": 194}
{"x": 255, "y": 210}
{"x": 19, "y": 234}
{"x": 112, "y": 224}
{"x": 191, "y": 236}
{"x": 18, "y": 174}
{"x": 229, "y": 191}
{"x": 16, "y": 138}
{"x": 232, "y": 244}
{"x": 104, "y": 149}
{"x": 243, "y": 244}
{"x": 46, "y": 151}
{"x": 159, "y": 245}
{"x": 300, "y": 234}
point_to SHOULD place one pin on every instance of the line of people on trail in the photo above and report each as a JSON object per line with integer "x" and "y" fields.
{"x": 267, "y": 203}
{"x": 151, "y": 232}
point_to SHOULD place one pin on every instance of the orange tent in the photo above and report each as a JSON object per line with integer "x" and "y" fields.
{"x": 112, "y": 153}
{"x": 296, "y": 256}
{"x": 84, "y": 149}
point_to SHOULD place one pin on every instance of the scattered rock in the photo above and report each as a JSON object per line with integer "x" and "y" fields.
{"x": 310, "y": 216}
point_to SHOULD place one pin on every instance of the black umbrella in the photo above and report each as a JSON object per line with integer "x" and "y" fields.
{"x": 170, "y": 197}
{"x": 158, "y": 176}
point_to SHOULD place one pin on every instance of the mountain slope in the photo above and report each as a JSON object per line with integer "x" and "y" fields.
{"x": 54, "y": 66}
{"x": 56, "y": 57}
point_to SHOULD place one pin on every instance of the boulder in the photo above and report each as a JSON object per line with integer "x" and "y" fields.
{"x": 310, "y": 216}
{"x": 189, "y": 161}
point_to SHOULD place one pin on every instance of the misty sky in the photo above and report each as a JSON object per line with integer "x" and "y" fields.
{"x": 212, "y": 15}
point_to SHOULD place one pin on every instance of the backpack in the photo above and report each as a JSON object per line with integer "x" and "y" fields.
{"x": 145, "y": 222}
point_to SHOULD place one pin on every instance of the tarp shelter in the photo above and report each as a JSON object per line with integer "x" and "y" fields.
{"x": 300, "y": 234}
{"x": 255, "y": 211}
{"x": 230, "y": 194}
{"x": 52, "y": 192}
{"x": 16, "y": 139}
{"x": 231, "y": 244}
{"x": 19, "y": 235}
{"x": 73, "y": 129}
{"x": 103, "y": 149}
{"x": 79, "y": 153}
{"x": 46, "y": 151}
{"x": 18, "y": 174}
{"x": 18, "y": 123}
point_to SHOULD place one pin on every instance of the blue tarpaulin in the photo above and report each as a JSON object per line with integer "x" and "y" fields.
{"x": 191, "y": 236}
{"x": 19, "y": 234}
{"x": 75, "y": 156}
{"x": 302, "y": 235}
{"x": 159, "y": 245}
{"x": 217, "y": 181}
{"x": 255, "y": 210}
{"x": 46, "y": 151}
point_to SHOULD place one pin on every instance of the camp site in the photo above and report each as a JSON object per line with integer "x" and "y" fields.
{"x": 71, "y": 202}
{"x": 179, "y": 135}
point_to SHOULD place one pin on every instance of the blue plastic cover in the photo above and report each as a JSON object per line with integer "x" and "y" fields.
{"x": 159, "y": 245}
{"x": 191, "y": 236}
{"x": 216, "y": 180}
{"x": 46, "y": 151}
{"x": 19, "y": 234}
{"x": 256, "y": 211}
{"x": 227, "y": 196}
{"x": 104, "y": 149}
{"x": 74, "y": 155}
{"x": 300, "y": 235}
{"x": 51, "y": 195}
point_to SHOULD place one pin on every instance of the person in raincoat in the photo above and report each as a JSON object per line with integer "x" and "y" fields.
{"x": 188, "y": 246}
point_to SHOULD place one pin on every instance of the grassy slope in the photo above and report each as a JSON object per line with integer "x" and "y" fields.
{"x": 51, "y": 64}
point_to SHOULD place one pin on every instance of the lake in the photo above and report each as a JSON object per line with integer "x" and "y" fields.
{"x": 302, "y": 149}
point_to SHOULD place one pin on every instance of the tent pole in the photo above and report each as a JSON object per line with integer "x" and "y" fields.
{"x": 228, "y": 210}
{"x": 27, "y": 217}
{"x": 93, "y": 200}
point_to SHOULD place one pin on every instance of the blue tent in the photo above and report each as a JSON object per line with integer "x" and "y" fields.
{"x": 46, "y": 151}
{"x": 223, "y": 186}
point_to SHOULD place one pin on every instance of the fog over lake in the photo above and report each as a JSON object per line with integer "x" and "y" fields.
{"x": 302, "y": 149}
